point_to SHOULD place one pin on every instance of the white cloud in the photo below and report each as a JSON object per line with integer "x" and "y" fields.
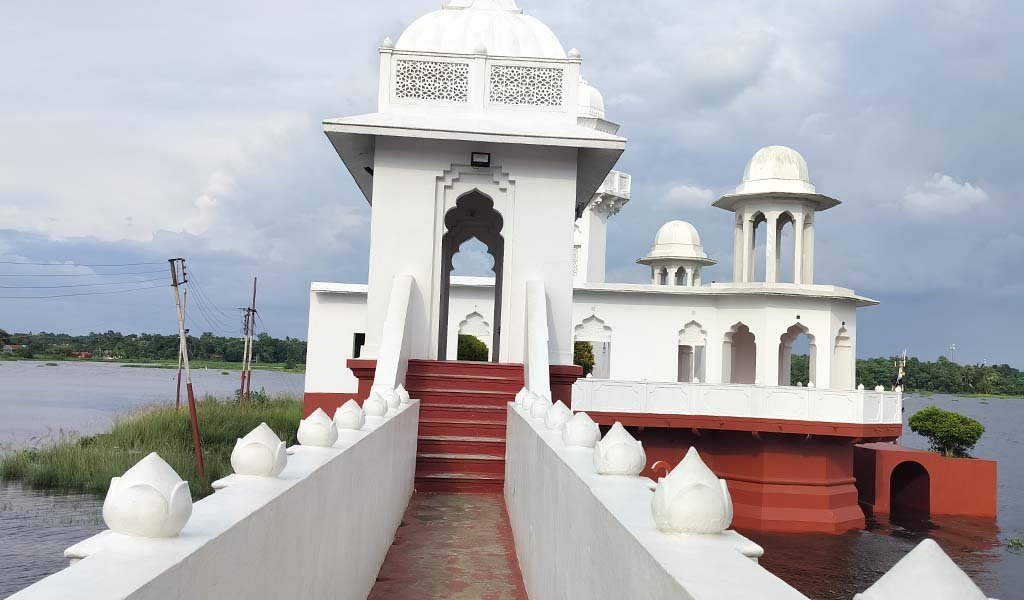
{"x": 943, "y": 195}
{"x": 689, "y": 196}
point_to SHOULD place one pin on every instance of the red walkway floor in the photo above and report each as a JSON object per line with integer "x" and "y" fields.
{"x": 456, "y": 546}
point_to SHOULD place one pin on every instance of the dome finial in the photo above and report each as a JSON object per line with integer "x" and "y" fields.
{"x": 776, "y": 169}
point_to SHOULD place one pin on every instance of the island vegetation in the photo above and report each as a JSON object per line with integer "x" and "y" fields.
{"x": 951, "y": 434}
{"x": 87, "y": 464}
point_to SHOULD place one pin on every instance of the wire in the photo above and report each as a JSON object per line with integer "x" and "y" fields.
{"x": 37, "y": 264}
{"x": 75, "y": 285}
{"x": 152, "y": 287}
{"x": 80, "y": 274}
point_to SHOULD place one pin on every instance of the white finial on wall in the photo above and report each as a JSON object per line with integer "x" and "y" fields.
{"x": 557, "y": 416}
{"x": 403, "y": 394}
{"x": 540, "y": 407}
{"x": 149, "y": 500}
{"x": 619, "y": 453}
{"x": 260, "y": 453}
{"x": 691, "y": 499}
{"x": 350, "y": 416}
{"x": 375, "y": 405}
{"x": 317, "y": 430}
{"x": 581, "y": 431}
{"x": 925, "y": 572}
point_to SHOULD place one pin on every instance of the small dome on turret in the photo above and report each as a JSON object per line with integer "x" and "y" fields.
{"x": 677, "y": 239}
{"x": 591, "y": 102}
{"x": 776, "y": 169}
{"x": 465, "y": 26}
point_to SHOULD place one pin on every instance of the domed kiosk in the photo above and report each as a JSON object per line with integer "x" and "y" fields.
{"x": 776, "y": 191}
{"x": 677, "y": 256}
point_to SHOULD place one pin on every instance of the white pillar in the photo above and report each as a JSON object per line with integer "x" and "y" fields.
{"x": 771, "y": 253}
{"x": 808, "y": 266}
{"x": 738, "y": 249}
{"x": 748, "y": 250}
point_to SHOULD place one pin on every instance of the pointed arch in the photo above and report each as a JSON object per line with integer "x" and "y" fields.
{"x": 785, "y": 247}
{"x": 739, "y": 355}
{"x": 844, "y": 364}
{"x": 594, "y": 331}
{"x": 691, "y": 353}
{"x": 786, "y": 341}
{"x": 757, "y": 259}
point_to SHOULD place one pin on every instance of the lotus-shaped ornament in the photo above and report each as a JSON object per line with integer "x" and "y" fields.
{"x": 259, "y": 453}
{"x": 521, "y": 396}
{"x": 540, "y": 407}
{"x": 149, "y": 500}
{"x": 403, "y": 394}
{"x": 691, "y": 499}
{"x": 391, "y": 397}
{"x": 581, "y": 431}
{"x": 350, "y": 416}
{"x": 619, "y": 453}
{"x": 318, "y": 430}
{"x": 528, "y": 400}
{"x": 557, "y": 416}
{"x": 375, "y": 405}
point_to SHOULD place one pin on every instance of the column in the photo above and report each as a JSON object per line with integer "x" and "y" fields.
{"x": 748, "y": 250}
{"x": 808, "y": 251}
{"x": 771, "y": 252}
{"x": 798, "y": 248}
{"x": 696, "y": 277}
{"x": 737, "y": 249}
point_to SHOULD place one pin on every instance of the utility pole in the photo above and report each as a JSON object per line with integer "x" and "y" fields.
{"x": 249, "y": 326}
{"x": 184, "y": 304}
{"x": 952, "y": 350}
{"x": 183, "y": 349}
{"x": 245, "y": 353}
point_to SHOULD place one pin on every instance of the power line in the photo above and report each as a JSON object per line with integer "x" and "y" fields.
{"x": 75, "y": 285}
{"x": 152, "y": 287}
{"x": 39, "y": 264}
{"x": 79, "y": 274}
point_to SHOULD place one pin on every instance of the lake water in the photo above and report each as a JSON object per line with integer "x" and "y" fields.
{"x": 37, "y": 402}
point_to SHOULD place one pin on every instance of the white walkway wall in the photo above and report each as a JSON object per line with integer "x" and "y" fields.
{"x": 580, "y": 535}
{"x": 321, "y": 530}
{"x": 337, "y": 312}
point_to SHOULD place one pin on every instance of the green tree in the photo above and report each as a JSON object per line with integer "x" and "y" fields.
{"x": 950, "y": 433}
{"x": 471, "y": 348}
{"x": 5, "y": 338}
{"x": 583, "y": 355}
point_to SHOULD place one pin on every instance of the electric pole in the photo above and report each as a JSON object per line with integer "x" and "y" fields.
{"x": 245, "y": 386}
{"x": 183, "y": 349}
{"x": 184, "y": 305}
{"x": 245, "y": 353}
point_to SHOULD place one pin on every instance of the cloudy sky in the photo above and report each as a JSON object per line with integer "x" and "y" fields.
{"x": 131, "y": 132}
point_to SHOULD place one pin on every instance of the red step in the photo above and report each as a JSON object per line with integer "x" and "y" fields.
{"x": 463, "y": 409}
{"x": 428, "y": 463}
{"x": 461, "y": 444}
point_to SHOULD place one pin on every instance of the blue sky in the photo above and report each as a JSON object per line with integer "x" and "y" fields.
{"x": 133, "y": 132}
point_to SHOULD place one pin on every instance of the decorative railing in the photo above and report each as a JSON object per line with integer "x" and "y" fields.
{"x": 739, "y": 400}
{"x": 617, "y": 184}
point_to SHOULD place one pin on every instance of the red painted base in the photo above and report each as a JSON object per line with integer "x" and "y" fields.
{"x": 778, "y": 482}
{"x": 895, "y": 478}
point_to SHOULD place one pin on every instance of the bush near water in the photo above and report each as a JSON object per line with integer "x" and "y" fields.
{"x": 87, "y": 464}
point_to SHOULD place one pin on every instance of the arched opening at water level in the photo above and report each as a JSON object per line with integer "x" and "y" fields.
{"x": 910, "y": 490}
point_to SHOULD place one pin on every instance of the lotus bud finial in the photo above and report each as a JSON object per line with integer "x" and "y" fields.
{"x": 619, "y": 453}
{"x": 691, "y": 499}
{"x": 149, "y": 500}
{"x": 557, "y": 416}
{"x": 391, "y": 397}
{"x": 318, "y": 430}
{"x": 403, "y": 394}
{"x": 375, "y": 405}
{"x": 540, "y": 407}
{"x": 581, "y": 431}
{"x": 260, "y": 453}
{"x": 350, "y": 416}
{"x": 521, "y": 396}
{"x": 529, "y": 399}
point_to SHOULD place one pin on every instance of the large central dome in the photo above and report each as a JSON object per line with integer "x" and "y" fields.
{"x": 498, "y": 27}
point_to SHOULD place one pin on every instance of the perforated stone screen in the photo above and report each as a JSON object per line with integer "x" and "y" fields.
{"x": 518, "y": 85}
{"x": 432, "y": 80}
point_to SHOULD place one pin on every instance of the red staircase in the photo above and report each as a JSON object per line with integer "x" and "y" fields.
{"x": 463, "y": 410}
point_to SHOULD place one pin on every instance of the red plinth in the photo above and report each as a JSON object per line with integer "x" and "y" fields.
{"x": 782, "y": 476}
{"x": 892, "y": 478}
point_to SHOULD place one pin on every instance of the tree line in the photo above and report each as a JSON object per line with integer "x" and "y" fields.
{"x": 153, "y": 346}
{"x": 941, "y": 376}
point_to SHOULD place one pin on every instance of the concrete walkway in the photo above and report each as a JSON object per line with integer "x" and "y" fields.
{"x": 456, "y": 546}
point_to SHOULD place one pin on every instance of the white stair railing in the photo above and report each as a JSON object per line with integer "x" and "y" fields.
{"x": 393, "y": 356}
{"x": 538, "y": 372}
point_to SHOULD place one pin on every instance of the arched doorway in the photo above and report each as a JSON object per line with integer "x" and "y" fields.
{"x": 910, "y": 490}
{"x": 692, "y": 341}
{"x": 739, "y": 355}
{"x": 472, "y": 217}
{"x": 599, "y": 335}
{"x": 797, "y": 336}
{"x": 785, "y": 247}
{"x": 843, "y": 362}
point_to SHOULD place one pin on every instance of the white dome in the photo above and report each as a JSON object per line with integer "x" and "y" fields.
{"x": 468, "y": 26}
{"x": 776, "y": 169}
{"x": 591, "y": 102}
{"x": 677, "y": 239}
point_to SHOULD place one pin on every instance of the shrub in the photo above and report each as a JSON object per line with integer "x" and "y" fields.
{"x": 583, "y": 355}
{"x": 950, "y": 433}
{"x": 471, "y": 348}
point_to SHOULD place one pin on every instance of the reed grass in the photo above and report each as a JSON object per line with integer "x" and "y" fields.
{"x": 87, "y": 464}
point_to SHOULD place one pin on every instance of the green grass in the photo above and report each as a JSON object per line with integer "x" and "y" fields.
{"x": 210, "y": 364}
{"x": 87, "y": 464}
